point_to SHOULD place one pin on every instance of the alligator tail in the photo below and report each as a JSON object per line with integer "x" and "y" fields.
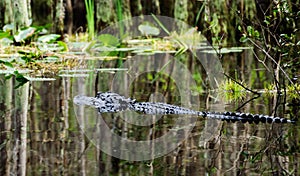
{"x": 245, "y": 117}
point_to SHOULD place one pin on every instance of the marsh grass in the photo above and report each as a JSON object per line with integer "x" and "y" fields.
{"x": 231, "y": 91}
{"x": 89, "y": 5}
{"x": 292, "y": 91}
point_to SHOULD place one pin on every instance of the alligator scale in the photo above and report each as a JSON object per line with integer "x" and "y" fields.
{"x": 113, "y": 102}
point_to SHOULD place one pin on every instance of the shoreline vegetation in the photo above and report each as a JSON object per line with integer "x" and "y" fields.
{"x": 270, "y": 28}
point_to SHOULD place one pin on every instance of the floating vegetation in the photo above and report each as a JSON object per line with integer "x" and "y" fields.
{"x": 37, "y": 58}
{"x": 148, "y": 29}
{"x": 225, "y": 50}
{"x": 86, "y": 72}
{"x": 74, "y": 75}
{"x": 151, "y": 44}
{"x": 293, "y": 91}
{"x": 231, "y": 91}
{"x": 45, "y": 56}
{"x": 269, "y": 90}
{"x": 39, "y": 79}
{"x": 111, "y": 69}
{"x": 39, "y": 64}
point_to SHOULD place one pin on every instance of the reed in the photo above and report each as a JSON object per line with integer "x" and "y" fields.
{"x": 120, "y": 16}
{"x": 89, "y": 5}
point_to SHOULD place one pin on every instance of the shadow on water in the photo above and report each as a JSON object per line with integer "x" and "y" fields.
{"x": 43, "y": 132}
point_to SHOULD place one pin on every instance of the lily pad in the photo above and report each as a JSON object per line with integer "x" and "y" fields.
{"x": 148, "y": 28}
{"x": 24, "y": 34}
{"x": 109, "y": 40}
{"x": 48, "y": 38}
{"x": 40, "y": 79}
{"x": 8, "y": 27}
{"x": 223, "y": 51}
{"x": 74, "y": 75}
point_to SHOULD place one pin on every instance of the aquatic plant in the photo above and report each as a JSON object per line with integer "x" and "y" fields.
{"x": 27, "y": 35}
{"x": 275, "y": 41}
{"x": 89, "y": 5}
{"x": 231, "y": 91}
{"x": 292, "y": 91}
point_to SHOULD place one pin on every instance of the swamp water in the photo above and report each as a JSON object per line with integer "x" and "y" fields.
{"x": 44, "y": 133}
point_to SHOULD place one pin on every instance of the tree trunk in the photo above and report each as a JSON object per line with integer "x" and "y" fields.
{"x": 21, "y": 15}
{"x": 180, "y": 11}
{"x": 69, "y": 17}
{"x": 126, "y": 9}
{"x": 17, "y": 12}
{"x": 103, "y": 15}
{"x": 167, "y": 8}
{"x": 136, "y": 8}
{"x": 59, "y": 17}
{"x": 151, "y": 7}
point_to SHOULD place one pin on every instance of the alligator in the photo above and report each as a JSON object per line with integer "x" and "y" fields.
{"x": 106, "y": 102}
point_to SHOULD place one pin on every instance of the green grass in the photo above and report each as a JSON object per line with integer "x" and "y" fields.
{"x": 231, "y": 91}
{"x": 89, "y": 5}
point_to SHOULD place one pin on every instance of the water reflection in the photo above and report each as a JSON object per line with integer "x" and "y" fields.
{"x": 41, "y": 135}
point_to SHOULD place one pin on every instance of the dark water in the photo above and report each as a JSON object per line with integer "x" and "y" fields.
{"x": 44, "y": 133}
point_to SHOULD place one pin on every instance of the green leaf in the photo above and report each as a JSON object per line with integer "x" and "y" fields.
{"x": 23, "y": 52}
{"x": 6, "y": 63}
{"x": 63, "y": 45}
{"x": 244, "y": 39}
{"x": 6, "y": 40}
{"x": 148, "y": 28}
{"x": 239, "y": 28}
{"x": 4, "y": 35}
{"x": 24, "y": 34}
{"x": 267, "y": 22}
{"x": 109, "y": 40}
{"x": 50, "y": 38}
{"x": 8, "y": 76}
{"x": 21, "y": 79}
{"x": 256, "y": 34}
{"x": 8, "y": 27}
{"x": 27, "y": 59}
